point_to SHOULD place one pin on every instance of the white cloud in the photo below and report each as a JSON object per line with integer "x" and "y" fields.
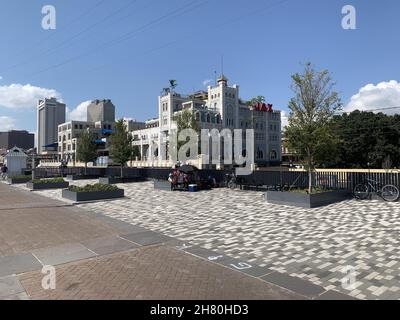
{"x": 79, "y": 113}
{"x": 372, "y": 97}
{"x": 7, "y": 123}
{"x": 207, "y": 82}
{"x": 18, "y": 96}
{"x": 1, "y": 78}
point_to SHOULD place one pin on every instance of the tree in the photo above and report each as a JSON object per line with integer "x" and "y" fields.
{"x": 367, "y": 139}
{"x": 185, "y": 120}
{"x": 86, "y": 150}
{"x": 254, "y": 101}
{"x": 121, "y": 145}
{"x": 311, "y": 110}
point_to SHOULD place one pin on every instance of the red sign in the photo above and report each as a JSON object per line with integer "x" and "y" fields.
{"x": 264, "y": 107}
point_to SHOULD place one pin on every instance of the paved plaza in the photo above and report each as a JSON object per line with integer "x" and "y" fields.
{"x": 97, "y": 257}
{"x": 316, "y": 245}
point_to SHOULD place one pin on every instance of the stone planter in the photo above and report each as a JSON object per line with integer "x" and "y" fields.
{"x": 90, "y": 196}
{"x": 81, "y": 177}
{"x": 19, "y": 180}
{"x": 114, "y": 180}
{"x": 162, "y": 185}
{"x": 48, "y": 185}
{"x": 304, "y": 200}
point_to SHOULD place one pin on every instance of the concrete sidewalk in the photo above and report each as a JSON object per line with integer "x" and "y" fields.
{"x": 97, "y": 257}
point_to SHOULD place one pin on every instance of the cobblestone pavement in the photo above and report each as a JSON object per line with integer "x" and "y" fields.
{"x": 312, "y": 244}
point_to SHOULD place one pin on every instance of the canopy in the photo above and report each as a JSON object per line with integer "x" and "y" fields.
{"x": 187, "y": 169}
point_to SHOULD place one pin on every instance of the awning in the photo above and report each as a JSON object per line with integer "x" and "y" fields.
{"x": 53, "y": 145}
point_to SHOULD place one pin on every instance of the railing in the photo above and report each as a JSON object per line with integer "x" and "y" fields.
{"x": 328, "y": 179}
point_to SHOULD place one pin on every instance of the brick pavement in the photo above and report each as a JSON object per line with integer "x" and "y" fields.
{"x": 97, "y": 257}
{"x": 152, "y": 272}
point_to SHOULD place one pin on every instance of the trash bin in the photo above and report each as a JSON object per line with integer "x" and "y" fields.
{"x": 192, "y": 187}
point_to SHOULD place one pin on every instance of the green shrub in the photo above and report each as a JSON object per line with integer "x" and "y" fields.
{"x": 93, "y": 188}
{"x": 53, "y": 180}
{"x": 20, "y": 176}
{"x": 315, "y": 190}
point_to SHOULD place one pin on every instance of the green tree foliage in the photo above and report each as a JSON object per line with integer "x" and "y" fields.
{"x": 255, "y": 100}
{"x": 86, "y": 148}
{"x": 121, "y": 145}
{"x": 313, "y": 106}
{"x": 185, "y": 120}
{"x": 367, "y": 140}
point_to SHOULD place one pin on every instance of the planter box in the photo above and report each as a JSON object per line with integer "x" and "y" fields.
{"x": 114, "y": 180}
{"x": 303, "y": 200}
{"x": 49, "y": 185}
{"x": 19, "y": 180}
{"x": 90, "y": 196}
{"x": 81, "y": 177}
{"x": 162, "y": 185}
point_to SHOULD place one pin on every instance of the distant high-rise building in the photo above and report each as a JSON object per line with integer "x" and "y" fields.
{"x": 50, "y": 114}
{"x": 101, "y": 110}
{"x": 15, "y": 138}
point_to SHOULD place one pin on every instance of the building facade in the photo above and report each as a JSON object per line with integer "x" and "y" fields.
{"x": 50, "y": 114}
{"x": 219, "y": 107}
{"x": 102, "y": 122}
{"x": 15, "y": 138}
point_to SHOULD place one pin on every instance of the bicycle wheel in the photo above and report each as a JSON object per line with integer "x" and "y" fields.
{"x": 390, "y": 193}
{"x": 361, "y": 192}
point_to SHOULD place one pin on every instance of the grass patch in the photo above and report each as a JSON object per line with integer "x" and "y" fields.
{"x": 93, "y": 188}
{"x": 52, "y": 180}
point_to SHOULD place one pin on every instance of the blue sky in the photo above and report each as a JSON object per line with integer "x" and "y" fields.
{"x": 127, "y": 50}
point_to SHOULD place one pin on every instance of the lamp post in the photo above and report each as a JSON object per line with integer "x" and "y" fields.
{"x": 33, "y": 166}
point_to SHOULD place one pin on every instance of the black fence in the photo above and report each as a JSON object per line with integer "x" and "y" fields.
{"x": 332, "y": 179}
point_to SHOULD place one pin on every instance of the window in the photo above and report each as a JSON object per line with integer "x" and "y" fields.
{"x": 69, "y": 136}
{"x": 80, "y": 127}
{"x": 59, "y": 138}
{"x": 273, "y": 155}
{"x": 76, "y": 126}
{"x": 197, "y": 116}
{"x": 73, "y": 146}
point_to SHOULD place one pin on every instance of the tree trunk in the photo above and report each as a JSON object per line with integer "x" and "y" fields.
{"x": 122, "y": 167}
{"x": 85, "y": 168}
{"x": 309, "y": 173}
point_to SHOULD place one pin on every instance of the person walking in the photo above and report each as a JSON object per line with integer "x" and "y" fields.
{"x": 4, "y": 171}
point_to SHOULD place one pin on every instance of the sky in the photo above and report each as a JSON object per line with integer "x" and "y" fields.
{"x": 127, "y": 50}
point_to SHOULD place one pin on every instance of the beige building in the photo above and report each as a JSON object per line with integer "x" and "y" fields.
{"x": 219, "y": 107}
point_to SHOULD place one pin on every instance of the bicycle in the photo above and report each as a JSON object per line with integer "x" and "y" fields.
{"x": 389, "y": 193}
{"x": 230, "y": 181}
